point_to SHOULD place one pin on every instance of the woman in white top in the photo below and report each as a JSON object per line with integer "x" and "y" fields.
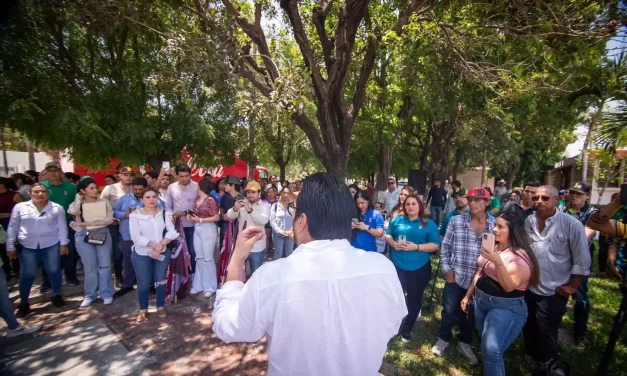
{"x": 281, "y": 222}
{"x": 96, "y": 258}
{"x": 150, "y": 256}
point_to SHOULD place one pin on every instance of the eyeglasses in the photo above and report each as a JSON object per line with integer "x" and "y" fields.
{"x": 291, "y": 208}
{"x": 538, "y": 198}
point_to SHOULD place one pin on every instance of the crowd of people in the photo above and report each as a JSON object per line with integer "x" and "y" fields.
{"x": 342, "y": 258}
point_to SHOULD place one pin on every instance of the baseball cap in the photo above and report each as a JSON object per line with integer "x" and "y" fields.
{"x": 52, "y": 165}
{"x": 461, "y": 192}
{"x": 253, "y": 186}
{"x": 126, "y": 170}
{"x": 233, "y": 180}
{"x": 479, "y": 192}
{"x": 582, "y": 187}
{"x": 501, "y": 181}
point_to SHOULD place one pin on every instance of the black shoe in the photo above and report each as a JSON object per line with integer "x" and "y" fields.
{"x": 406, "y": 337}
{"x": 58, "y": 301}
{"x": 581, "y": 340}
{"x": 73, "y": 282}
{"x": 23, "y": 310}
{"x": 44, "y": 289}
{"x": 122, "y": 292}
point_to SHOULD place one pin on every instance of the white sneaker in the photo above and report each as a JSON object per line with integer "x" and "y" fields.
{"x": 466, "y": 351}
{"x": 194, "y": 292}
{"x": 440, "y": 347}
{"x": 22, "y": 330}
{"x": 108, "y": 301}
{"x": 86, "y": 303}
{"x": 209, "y": 294}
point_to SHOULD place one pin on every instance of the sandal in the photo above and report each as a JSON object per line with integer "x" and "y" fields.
{"x": 162, "y": 312}
{"x": 143, "y": 316}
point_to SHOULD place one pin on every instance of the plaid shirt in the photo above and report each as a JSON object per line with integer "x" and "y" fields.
{"x": 461, "y": 249}
{"x": 582, "y": 215}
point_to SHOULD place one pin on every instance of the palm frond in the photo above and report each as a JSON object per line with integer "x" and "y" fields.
{"x": 612, "y": 128}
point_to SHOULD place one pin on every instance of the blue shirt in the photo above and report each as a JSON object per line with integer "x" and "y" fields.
{"x": 216, "y": 197}
{"x": 415, "y": 232}
{"x": 122, "y": 207}
{"x": 364, "y": 240}
{"x": 447, "y": 219}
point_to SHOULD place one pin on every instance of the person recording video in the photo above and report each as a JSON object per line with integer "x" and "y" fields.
{"x": 601, "y": 221}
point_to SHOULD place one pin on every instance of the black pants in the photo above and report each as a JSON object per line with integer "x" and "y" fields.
{"x": 414, "y": 283}
{"x": 540, "y": 331}
{"x": 603, "y": 248}
{"x": 69, "y": 261}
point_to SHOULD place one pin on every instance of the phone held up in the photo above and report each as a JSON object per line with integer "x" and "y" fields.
{"x": 240, "y": 197}
{"x": 487, "y": 242}
{"x": 165, "y": 166}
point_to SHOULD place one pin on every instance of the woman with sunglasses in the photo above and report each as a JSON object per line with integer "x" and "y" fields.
{"x": 397, "y": 210}
{"x": 499, "y": 287}
{"x": 369, "y": 224}
{"x": 412, "y": 238}
{"x": 281, "y": 222}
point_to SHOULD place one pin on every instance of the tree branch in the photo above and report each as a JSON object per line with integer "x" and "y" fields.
{"x": 319, "y": 18}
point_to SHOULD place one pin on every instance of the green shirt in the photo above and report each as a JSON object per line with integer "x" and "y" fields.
{"x": 63, "y": 194}
{"x": 495, "y": 203}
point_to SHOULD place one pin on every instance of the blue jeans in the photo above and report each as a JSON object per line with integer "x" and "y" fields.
{"x": 116, "y": 252}
{"x": 256, "y": 260}
{"x": 582, "y": 308}
{"x": 96, "y": 261}
{"x": 283, "y": 246}
{"x": 189, "y": 239}
{"x": 436, "y": 214}
{"x": 148, "y": 272}
{"x": 6, "y": 308}
{"x": 499, "y": 321}
{"x": 452, "y": 314}
{"x": 29, "y": 261}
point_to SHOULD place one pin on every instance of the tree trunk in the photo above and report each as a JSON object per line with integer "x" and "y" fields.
{"x": 484, "y": 164}
{"x": 31, "y": 155}
{"x": 251, "y": 149}
{"x": 458, "y": 159}
{"x": 586, "y": 142}
{"x": 4, "y": 152}
{"x": 386, "y": 153}
{"x": 156, "y": 162}
{"x": 512, "y": 170}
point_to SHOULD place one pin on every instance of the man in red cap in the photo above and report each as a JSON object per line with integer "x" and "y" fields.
{"x": 113, "y": 193}
{"x": 459, "y": 253}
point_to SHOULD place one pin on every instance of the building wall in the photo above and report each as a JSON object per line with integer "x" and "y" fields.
{"x": 472, "y": 178}
{"x": 17, "y": 161}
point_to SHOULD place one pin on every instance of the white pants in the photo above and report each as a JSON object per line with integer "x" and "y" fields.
{"x": 205, "y": 238}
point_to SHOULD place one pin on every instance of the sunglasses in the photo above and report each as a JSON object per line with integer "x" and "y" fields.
{"x": 538, "y": 198}
{"x": 291, "y": 208}
{"x": 390, "y": 182}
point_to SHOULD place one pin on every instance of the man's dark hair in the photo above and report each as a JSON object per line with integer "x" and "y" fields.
{"x": 182, "y": 168}
{"x": 34, "y": 174}
{"x": 329, "y": 207}
{"x": 24, "y": 178}
{"x": 457, "y": 183}
{"x": 364, "y": 195}
{"x": 152, "y": 174}
{"x": 140, "y": 181}
{"x": 110, "y": 177}
{"x": 535, "y": 185}
{"x": 72, "y": 176}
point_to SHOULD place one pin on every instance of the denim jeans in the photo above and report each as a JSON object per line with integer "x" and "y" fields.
{"x": 413, "y": 283}
{"x": 452, "y": 314}
{"x": 205, "y": 238}
{"x": 189, "y": 240}
{"x": 283, "y": 246}
{"x": 149, "y": 272}
{"x": 29, "y": 261}
{"x": 582, "y": 308}
{"x": 116, "y": 252}
{"x": 256, "y": 260}
{"x": 6, "y": 307}
{"x": 436, "y": 214}
{"x": 96, "y": 261}
{"x": 128, "y": 273}
{"x": 499, "y": 322}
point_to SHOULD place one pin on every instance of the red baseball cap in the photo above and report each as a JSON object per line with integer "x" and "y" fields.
{"x": 479, "y": 192}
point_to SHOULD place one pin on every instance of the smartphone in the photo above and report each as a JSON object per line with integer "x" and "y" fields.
{"x": 355, "y": 221}
{"x": 402, "y": 239}
{"x": 487, "y": 242}
{"x": 165, "y": 165}
{"x": 623, "y": 194}
{"x": 190, "y": 212}
{"x": 241, "y": 197}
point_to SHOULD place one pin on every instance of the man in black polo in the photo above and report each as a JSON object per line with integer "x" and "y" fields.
{"x": 231, "y": 191}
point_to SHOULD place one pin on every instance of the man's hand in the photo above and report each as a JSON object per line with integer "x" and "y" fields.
{"x": 613, "y": 272}
{"x": 63, "y": 250}
{"x": 116, "y": 222}
{"x": 450, "y": 276}
{"x": 12, "y": 255}
{"x": 180, "y": 213}
{"x": 566, "y": 291}
{"x": 238, "y": 205}
{"x": 245, "y": 242}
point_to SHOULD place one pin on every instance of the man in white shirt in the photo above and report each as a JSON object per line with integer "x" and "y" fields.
{"x": 329, "y": 309}
{"x": 390, "y": 196}
{"x": 251, "y": 212}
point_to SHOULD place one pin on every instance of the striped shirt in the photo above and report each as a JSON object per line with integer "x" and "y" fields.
{"x": 461, "y": 248}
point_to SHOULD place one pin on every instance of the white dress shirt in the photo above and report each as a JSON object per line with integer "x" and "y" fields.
{"x": 390, "y": 199}
{"x": 257, "y": 218}
{"x": 329, "y": 309}
{"x": 146, "y": 228}
{"x": 37, "y": 229}
{"x": 113, "y": 192}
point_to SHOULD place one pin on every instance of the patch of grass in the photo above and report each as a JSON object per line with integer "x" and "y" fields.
{"x": 605, "y": 298}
